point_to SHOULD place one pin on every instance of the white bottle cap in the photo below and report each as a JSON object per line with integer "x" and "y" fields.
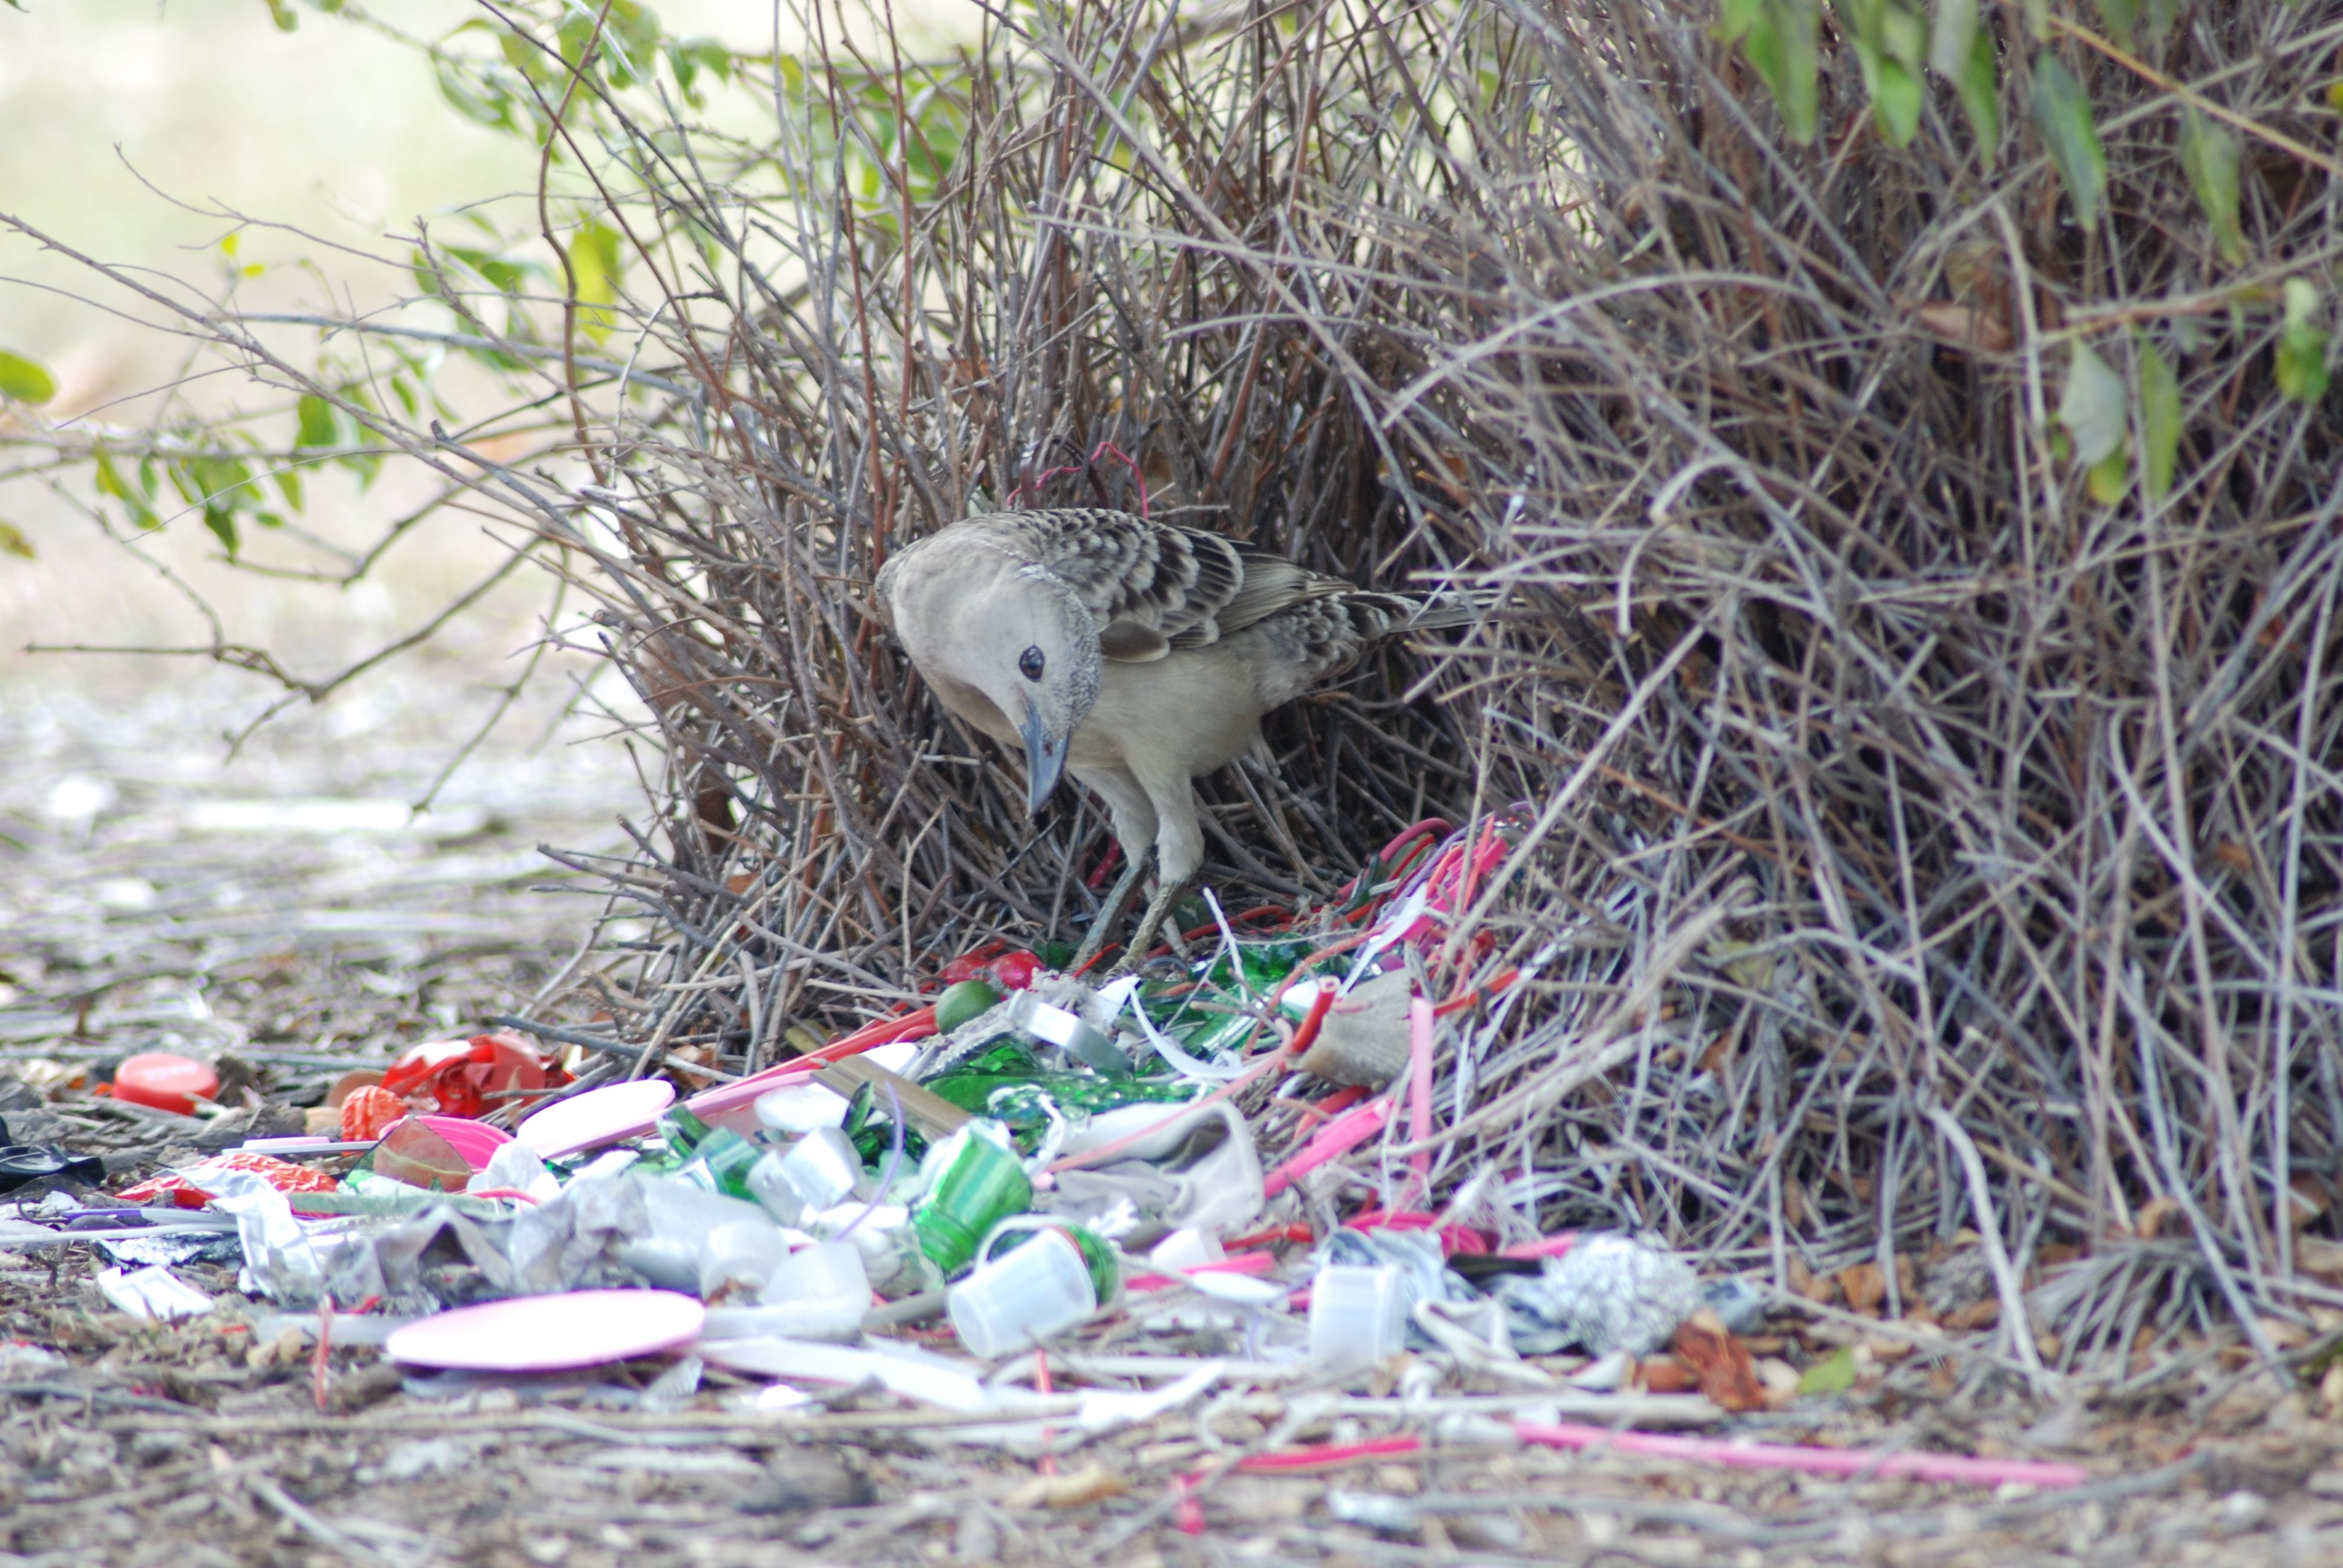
{"x": 1358, "y": 1315}
{"x": 1041, "y": 1287}
{"x": 818, "y": 1170}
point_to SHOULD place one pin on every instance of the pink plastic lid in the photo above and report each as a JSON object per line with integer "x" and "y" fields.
{"x": 477, "y": 1141}
{"x": 741, "y": 1093}
{"x": 596, "y": 1117}
{"x": 548, "y": 1333}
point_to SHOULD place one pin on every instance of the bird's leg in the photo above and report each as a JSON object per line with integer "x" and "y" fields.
{"x": 1111, "y": 913}
{"x": 1159, "y": 909}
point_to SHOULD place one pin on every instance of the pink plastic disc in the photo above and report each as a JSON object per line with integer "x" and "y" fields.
{"x": 477, "y": 1141}
{"x": 598, "y": 1116}
{"x": 549, "y": 1334}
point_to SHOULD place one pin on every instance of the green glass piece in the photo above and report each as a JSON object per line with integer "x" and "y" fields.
{"x": 682, "y": 1130}
{"x": 721, "y": 1164}
{"x": 979, "y": 1185}
{"x": 1086, "y": 1093}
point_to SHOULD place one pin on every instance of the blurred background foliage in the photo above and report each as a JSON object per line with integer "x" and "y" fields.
{"x": 301, "y": 165}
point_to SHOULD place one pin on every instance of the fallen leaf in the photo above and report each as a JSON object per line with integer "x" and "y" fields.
{"x": 1666, "y": 1375}
{"x": 1864, "y": 1286}
{"x": 1092, "y": 1484}
{"x": 1833, "y": 1373}
{"x": 1966, "y": 326}
{"x": 1981, "y": 1314}
{"x": 1727, "y": 1375}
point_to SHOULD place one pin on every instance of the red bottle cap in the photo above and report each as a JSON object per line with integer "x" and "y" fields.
{"x": 165, "y": 1082}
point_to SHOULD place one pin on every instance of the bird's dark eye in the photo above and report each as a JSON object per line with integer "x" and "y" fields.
{"x": 1028, "y": 664}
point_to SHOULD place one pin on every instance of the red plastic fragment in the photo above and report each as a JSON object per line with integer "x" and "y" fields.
{"x": 470, "y": 1076}
{"x": 1010, "y": 969}
{"x": 186, "y": 1186}
{"x": 368, "y": 1109}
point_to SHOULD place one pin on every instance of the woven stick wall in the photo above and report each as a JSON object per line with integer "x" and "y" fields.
{"x": 1905, "y": 836}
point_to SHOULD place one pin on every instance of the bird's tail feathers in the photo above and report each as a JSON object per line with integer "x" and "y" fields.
{"x": 1453, "y": 607}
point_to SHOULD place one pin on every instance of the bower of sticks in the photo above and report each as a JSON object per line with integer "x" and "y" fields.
{"x": 1907, "y": 852}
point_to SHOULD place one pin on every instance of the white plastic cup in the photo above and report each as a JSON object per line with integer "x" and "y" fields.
{"x": 815, "y": 1172}
{"x": 1358, "y": 1315}
{"x": 826, "y": 1271}
{"x": 746, "y": 1253}
{"x": 1008, "y": 1303}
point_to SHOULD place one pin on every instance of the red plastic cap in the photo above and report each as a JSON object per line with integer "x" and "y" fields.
{"x": 165, "y": 1082}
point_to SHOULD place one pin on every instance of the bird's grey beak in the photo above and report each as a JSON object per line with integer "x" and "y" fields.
{"x": 1045, "y": 758}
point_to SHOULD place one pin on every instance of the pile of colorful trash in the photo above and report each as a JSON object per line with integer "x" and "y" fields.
{"x": 1031, "y": 1155}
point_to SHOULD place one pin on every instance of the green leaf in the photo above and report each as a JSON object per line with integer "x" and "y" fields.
{"x": 284, "y": 15}
{"x": 289, "y": 485}
{"x": 1952, "y": 32}
{"x": 1979, "y": 87}
{"x": 110, "y": 482}
{"x": 2161, "y": 15}
{"x": 321, "y": 424}
{"x": 1782, "y": 45}
{"x": 26, "y": 380}
{"x": 483, "y": 102}
{"x": 1961, "y": 52}
{"x": 13, "y": 542}
{"x": 1834, "y": 1373}
{"x": 2301, "y": 345}
{"x": 2121, "y": 16}
{"x": 2209, "y": 154}
{"x": 2095, "y": 409}
{"x": 1889, "y": 43}
{"x": 701, "y": 53}
{"x": 594, "y": 263}
{"x": 2159, "y": 420}
{"x": 222, "y": 523}
{"x": 2109, "y": 477}
{"x": 2062, "y": 113}
{"x": 1734, "y": 17}
{"x": 1895, "y": 103}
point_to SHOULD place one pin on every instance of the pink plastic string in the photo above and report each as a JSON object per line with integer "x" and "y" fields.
{"x": 1235, "y": 1263}
{"x": 1952, "y": 1467}
{"x": 1325, "y": 1455}
{"x": 1338, "y": 1137}
{"x": 1103, "y": 450}
{"x": 1419, "y": 1088}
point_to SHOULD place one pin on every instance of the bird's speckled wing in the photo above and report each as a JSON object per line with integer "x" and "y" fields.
{"x": 1186, "y": 587}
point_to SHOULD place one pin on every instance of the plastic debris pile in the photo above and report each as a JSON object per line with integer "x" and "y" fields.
{"x": 1034, "y": 1163}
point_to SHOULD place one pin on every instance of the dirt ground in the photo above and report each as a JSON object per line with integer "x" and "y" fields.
{"x": 153, "y": 896}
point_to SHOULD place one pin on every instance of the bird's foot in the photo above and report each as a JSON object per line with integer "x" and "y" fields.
{"x": 1142, "y": 940}
{"x": 1109, "y": 915}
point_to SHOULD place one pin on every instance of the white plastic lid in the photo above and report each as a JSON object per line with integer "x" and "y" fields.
{"x": 1358, "y": 1315}
{"x": 1025, "y": 1294}
{"x": 823, "y": 1271}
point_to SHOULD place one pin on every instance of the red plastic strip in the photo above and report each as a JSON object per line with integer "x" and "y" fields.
{"x": 1329, "y": 1456}
{"x": 1961, "y": 1469}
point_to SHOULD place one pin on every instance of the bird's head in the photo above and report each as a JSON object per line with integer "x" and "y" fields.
{"x": 1038, "y": 656}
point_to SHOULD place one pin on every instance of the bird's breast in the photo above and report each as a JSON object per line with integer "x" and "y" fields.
{"x": 972, "y": 705}
{"x": 1186, "y": 714}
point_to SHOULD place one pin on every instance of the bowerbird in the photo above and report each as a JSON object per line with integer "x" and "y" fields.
{"x": 1134, "y": 655}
